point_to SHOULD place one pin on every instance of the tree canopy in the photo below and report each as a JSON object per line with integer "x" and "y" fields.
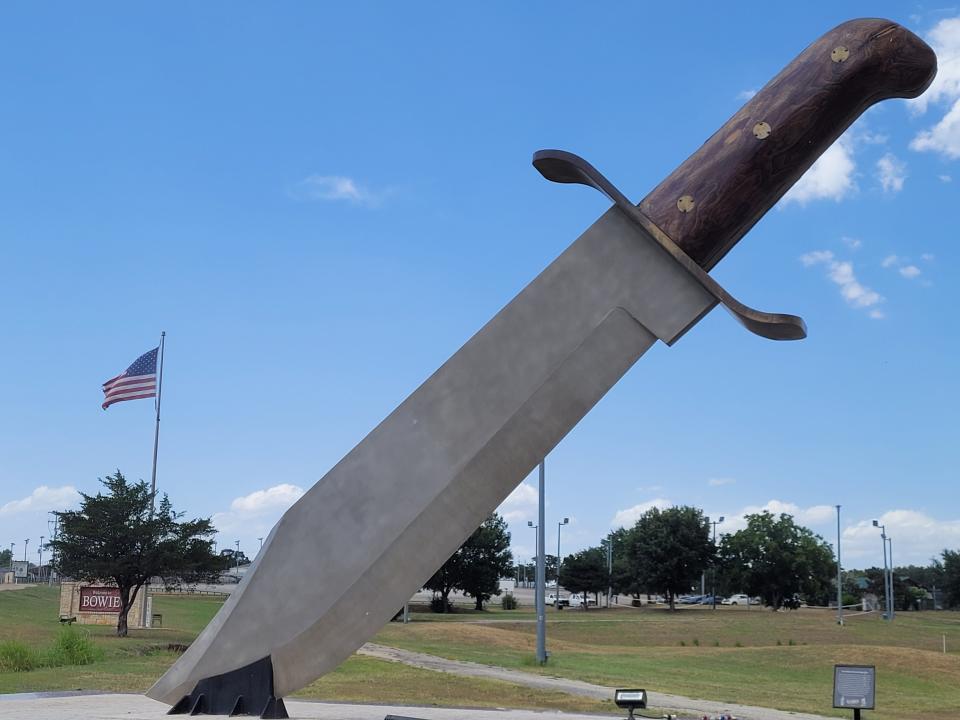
{"x": 477, "y": 565}
{"x": 671, "y": 549}
{"x": 585, "y": 571}
{"x": 115, "y": 537}
{"x": 775, "y": 558}
{"x": 951, "y": 577}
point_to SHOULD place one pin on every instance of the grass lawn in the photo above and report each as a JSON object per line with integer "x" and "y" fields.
{"x": 756, "y": 657}
{"x": 132, "y": 664}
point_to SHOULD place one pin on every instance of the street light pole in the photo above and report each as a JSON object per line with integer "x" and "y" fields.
{"x": 237, "y": 558}
{"x": 566, "y": 521}
{"x": 608, "y": 541}
{"x": 886, "y": 578}
{"x": 893, "y": 594}
{"x": 839, "y": 580}
{"x": 40, "y": 561}
{"x": 713, "y": 582}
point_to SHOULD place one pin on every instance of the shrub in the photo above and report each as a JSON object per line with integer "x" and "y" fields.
{"x": 696, "y": 642}
{"x": 72, "y": 647}
{"x": 509, "y": 602}
{"x": 17, "y": 657}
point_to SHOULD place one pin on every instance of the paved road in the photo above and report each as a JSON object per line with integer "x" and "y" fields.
{"x": 574, "y": 687}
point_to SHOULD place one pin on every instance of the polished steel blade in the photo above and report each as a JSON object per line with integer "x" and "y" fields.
{"x": 342, "y": 561}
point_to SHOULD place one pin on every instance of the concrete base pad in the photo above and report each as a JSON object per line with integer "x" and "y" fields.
{"x": 44, "y": 706}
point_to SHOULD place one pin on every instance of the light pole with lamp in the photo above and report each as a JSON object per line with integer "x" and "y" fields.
{"x": 566, "y": 521}
{"x": 713, "y": 582}
{"x": 886, "y": 578}
{"x": 608, "y": 543}
{"x": 40, "y": 560}
{"x": 893, "y": 591}
{"x": 237, "y": 557}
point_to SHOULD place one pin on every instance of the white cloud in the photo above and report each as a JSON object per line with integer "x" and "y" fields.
{"x": 333, "y": 188}
{"x": 891, "y": 173}
{"x": 945, "y": 41}
{"x": 841, "y": 274}
{"x": 852, "y": 243}
{"x": 717, "y": 482}
{"x": 521, "y": 504}
{"x": 944, "y": 137}
{"x": 817, "y": 256}
{"x": 43, "y": 499}
{"x": 928, "y": 257}
{"x": 916, "y": 536}
{"x": 746, "y": 94}
{"x": 889, "y": 261}
{"x": 816, "y": 515}
{"x": 830, "y": 178}
{"x": 910, "y": 272}
{"x": 628, "y": 517}
{"x": 255, "y": 514}
{"x": 876, "y": 314}
{"x": 945, "y": 178}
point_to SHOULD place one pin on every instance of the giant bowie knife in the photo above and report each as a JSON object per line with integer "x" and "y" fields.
{"x": 367, "y": 536}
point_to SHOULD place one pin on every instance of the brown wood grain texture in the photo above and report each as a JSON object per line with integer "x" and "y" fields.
{"x": 745, "y": 167}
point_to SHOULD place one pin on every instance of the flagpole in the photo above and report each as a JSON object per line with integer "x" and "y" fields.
{"x": 153, "y": 477}
{"x": 156, "y": 432}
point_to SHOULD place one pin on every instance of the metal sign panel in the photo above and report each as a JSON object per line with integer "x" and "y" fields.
{"x": 854, "y": 686}
{"x": 20, "y": 568}
{"x": 100, "y": 599}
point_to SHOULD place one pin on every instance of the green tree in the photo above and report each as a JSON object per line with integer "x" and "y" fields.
{"x": 114, "y": 537}
{"x": 477, "y": 565}
{"x": 486, "y": 558}
{"x": 444, "y": 581}
{"x": 775, "y": 558}
{"x": 585, "y": 571}
{"x": 672, "y": 547}
{"x": 6, "y": 558}
{"x": 951, "y": 577}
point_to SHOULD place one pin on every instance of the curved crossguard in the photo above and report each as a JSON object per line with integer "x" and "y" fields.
{"x": 564, "y": 167}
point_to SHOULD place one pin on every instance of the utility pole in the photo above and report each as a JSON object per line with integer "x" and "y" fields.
{"x": 713, "y": 582}
{"x": 40, "y": 561}
{"x": 237, "y": 558}
{"x": 893, "y": 594}
{"x": 886, "y": 576}
{"x": 839, "y": 578}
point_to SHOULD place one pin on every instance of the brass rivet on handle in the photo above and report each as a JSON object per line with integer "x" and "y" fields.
{"x": 839, "y": 54}
{"x": 685, "y": 203}
{"x": 761, "y": 130}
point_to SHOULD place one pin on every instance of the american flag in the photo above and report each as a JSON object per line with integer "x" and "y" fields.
{"x": 136, "y": 382}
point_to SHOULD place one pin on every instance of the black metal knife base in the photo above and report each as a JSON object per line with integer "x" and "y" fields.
{"x": 244, "y": 691}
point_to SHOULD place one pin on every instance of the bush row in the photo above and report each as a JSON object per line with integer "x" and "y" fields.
{"x": 71, "y": 647}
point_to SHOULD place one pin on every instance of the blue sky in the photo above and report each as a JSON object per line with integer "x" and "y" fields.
{"x": 321, "y": 203}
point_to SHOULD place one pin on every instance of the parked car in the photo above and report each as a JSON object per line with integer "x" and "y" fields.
{"x": 738, "y": 599}
{"x": 690, "y": 599}
{"x": 557, "y": 601}
{"x": 708, "y": 600}
{"x": 577, "y": 600}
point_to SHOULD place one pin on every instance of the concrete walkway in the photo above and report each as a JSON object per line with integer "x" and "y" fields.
{"x": 684, "y": 705}
{"x": 139, "y": 707}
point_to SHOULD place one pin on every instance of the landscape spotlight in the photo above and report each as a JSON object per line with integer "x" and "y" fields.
{"x": 630, "y": 699}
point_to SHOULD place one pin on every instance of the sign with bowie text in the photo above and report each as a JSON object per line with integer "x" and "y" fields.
{"x": 100, "y": 599}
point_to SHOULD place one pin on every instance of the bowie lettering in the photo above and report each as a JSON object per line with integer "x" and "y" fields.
{"x": 100, "y": 599}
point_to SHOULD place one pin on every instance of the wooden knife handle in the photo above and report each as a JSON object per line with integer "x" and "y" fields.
{"x": 708, "y": 203}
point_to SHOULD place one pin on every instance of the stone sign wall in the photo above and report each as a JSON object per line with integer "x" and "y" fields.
{"x": 99, "y": 605}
